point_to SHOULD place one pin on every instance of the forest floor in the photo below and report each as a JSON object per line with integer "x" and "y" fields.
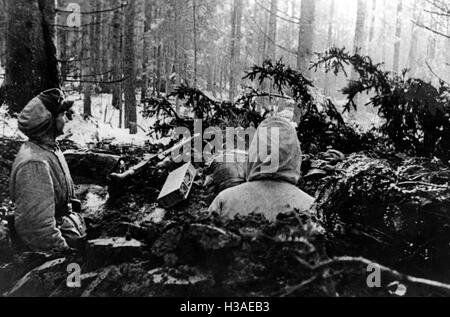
{"x": 389, "y": 208}
{"x": 138, "y": 249}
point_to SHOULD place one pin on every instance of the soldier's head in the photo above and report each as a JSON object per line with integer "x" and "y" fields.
{"x": 44, "y": 116}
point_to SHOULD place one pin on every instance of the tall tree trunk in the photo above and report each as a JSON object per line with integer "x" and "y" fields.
{"x": 447, "y": 61}
{"x": 61, "y": 39}
{"x": 106, "y": 43}
{"x": 358, "y": 43}
{"x": 293, "y": 8}
{"x": 158, "y": 68}
{"x": 415, "y": 30}
{"x": 96, "y": 39}
{"x": 359, "y": 39}
{"x": 2, "y": 31}
{"x": 271, "y": 49}
{"x": 140, "y": 40}
{"x": 305, "y": 44}
{"x": 130, "y": 69}
{"x": 383, "y": 37}
{"x": 262, "y": 33}
{"x": 146, "y": 49}
{"x": 194, "y": 13}
{"x": 177, "y": 48}
{"x": 117, "y": 39}
{"x": 432, "y": 47}
{"x": 273, "y": 29}
{"x": 213, "y": 72}
{"x": 371, "y": 44}
{"x": 31, "y": 63}
{"x": 306, "y": 35}
{"x": 235, "y": 46}
{"x": 87, "y": 59}
{"x": 398, "y": 36}
{"x": 221, "y": 77}
{"x": 330, "y": 43}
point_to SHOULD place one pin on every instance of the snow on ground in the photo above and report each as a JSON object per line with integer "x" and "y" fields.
{"x": 8, "y": 125}
{"x": 104, "y": 123}
{"x": 103, "y": 126}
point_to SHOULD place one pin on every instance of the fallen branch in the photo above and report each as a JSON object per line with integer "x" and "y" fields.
{"x": 291, "y": 290}
{"x": 364, "y": 262}
{"x": 404, "y": 184}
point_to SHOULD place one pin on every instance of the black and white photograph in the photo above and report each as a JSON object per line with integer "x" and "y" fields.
{"x": 226, "y": 149}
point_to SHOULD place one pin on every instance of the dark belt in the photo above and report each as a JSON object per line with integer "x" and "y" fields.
{"x": 73, "y": 206}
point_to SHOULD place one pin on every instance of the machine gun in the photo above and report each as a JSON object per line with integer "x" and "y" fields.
{"x": 150, "y": 161}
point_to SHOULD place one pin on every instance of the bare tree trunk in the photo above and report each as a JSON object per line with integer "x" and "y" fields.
{"x": 130, "y": 69}
{"x": 213, "y": 72}
{"x": 2, "y": 31}
{"x": 358, "y": 43}
{"x": 330, "y": 43}
{"x": 140, "y": 40}
{"x": 96, "y": 39}
{"x": 87, "y": 58}
{"x": 117, "y": 40}
{"x": 415, "y": 30}
{"x": 305, "y": 44}
{"x": 106, "y": 43}
{"x": 221, "y": 77}
{"x": 146, "y": 49}
{"x": 306, "y": 36}
{"x": 61, "y": 39}
{"x": 158, "y": 69}
{"x": 177, "y": 47}
{"x": 398, "y": 36}
{"x": 383, "y": 38}
{"x": 31, "y": 63}
{"x": 371, "y": 44}
{"x": 262, "y": 39}
{"x": 168, "y": 66}
{"x": 293, "y": 7}
{"x": 447, "y": 66}
{"x": 194, "y": 13}
{"x": 432, "y": 47}
{"x": 273, "y": 29}
{"x": 235, "y": 46}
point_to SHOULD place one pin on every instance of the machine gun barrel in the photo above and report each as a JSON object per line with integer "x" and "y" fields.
{"x": 153, "y": 159}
